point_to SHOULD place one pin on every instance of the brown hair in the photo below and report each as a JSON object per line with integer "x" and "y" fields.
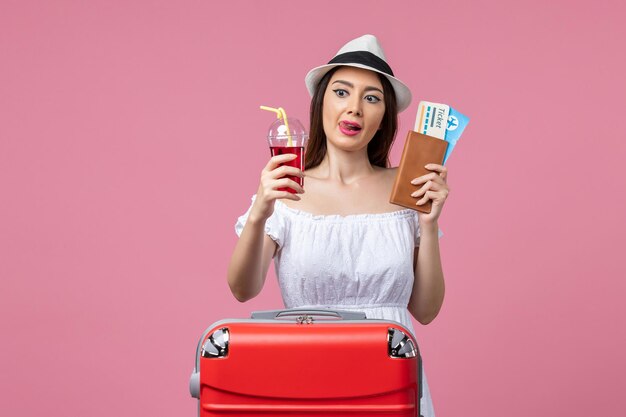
{"x": 379, "y": 147}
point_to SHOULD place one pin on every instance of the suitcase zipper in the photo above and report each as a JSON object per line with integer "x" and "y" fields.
{"x": 305, "y": 319}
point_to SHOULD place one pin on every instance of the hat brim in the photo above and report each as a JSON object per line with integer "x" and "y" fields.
{"x": 403, "y": 93}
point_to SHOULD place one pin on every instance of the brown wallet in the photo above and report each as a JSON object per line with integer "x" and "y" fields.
{"x": 419, "y": 150}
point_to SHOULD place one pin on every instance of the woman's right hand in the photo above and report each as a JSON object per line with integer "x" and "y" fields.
{"x": 271, "y": 181}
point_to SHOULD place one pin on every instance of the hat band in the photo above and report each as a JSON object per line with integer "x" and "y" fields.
{"x": 362, "y": 57}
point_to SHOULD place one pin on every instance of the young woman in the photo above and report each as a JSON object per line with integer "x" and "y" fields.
{"x": 341, "y": 244}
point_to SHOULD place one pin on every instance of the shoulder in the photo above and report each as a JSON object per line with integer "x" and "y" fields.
{"x": 391, "y": 171}
{"x": 387, "y": 171}
{"x": 388, "y": 178}
{"x": 388, "y": 175}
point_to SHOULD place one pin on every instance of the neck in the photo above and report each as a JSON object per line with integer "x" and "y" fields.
{"x": 345, "y": 167}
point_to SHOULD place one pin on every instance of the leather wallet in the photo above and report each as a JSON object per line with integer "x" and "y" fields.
{"x": 419, "y": 150}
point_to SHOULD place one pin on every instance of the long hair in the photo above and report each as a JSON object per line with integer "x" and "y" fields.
{"x": 379, "y": 147}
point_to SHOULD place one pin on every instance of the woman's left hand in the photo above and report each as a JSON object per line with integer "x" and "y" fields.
{"x": 435, "y": 188}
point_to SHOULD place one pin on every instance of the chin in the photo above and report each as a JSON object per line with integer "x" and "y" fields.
{"x": 348, "y": 144}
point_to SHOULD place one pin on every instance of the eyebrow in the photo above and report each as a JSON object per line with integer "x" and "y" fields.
{"x": 368, "y": 88}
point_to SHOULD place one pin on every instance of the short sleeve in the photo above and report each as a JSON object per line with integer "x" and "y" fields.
{"x": 274, "y": 225}
{"x": 417, "y": 230}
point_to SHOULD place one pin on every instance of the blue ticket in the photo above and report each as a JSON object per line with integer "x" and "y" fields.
{"x": 456, "y": 126}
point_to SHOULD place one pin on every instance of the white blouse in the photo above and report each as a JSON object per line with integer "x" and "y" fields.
{"x": 360, "y": 262}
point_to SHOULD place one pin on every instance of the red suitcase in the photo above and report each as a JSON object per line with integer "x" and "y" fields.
{"x": 307, "y": 362}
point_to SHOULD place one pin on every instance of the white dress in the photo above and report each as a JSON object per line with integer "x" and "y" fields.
{"x": 361, "y": 262}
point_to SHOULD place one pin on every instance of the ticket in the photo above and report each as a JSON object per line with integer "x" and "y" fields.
{"x": 432, "y": 119}
{"x": 455, "y": 126}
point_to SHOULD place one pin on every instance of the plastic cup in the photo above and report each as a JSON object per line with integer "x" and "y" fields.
{"x": 292, "y": 141}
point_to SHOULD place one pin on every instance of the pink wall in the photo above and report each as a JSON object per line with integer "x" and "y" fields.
{"x": 130, "y": 140}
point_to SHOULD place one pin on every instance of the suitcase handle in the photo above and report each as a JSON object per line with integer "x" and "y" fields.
{"x": 276, "y": 314}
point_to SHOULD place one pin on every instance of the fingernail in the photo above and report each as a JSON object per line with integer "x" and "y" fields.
{"x": 414, "y": 194}
{"x": 415, "y": 181}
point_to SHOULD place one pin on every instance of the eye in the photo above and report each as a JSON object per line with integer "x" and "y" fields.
{"x": 341, "y": 92}
{"x": 372, "y": 99}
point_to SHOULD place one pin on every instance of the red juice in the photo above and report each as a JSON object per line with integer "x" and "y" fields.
{"x": 298, "y": 162}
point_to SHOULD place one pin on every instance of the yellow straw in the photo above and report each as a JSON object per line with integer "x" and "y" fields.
{"x": 280, "y": 113}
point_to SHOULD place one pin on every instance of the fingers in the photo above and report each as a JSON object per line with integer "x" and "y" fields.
{"x": 284, "y": 171}
{"x": 286, "y": 182}
{"x": 429, "y": 195}
{"x": 436, "y": 167}
{"x": 430, "y": 185}
{"x": 438, "y": 197}
{"x": 286, "y": 194}
{"x": 434, "y": 185}
{"x": 277, "y": 176}
{"x": 440, "y": 174}
{"x": 271, "y": 187}
{"x": 277, "y": 182}
{"x": 275, "y": 161}
{"x": 440, "y": 170}
{"x": 432, "y": 177}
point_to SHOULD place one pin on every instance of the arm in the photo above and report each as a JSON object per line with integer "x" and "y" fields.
{"x": 251, "y": 260}
{"x": 429, "y": 286}
{"x": 254, "y": 250}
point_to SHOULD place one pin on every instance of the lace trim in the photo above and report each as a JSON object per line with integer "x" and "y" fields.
{"x": 404, "y": 213}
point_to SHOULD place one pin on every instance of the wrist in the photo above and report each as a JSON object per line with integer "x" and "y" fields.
{"x": 257, "y": 213}
{"x": 429, "y": 227}
{"x": 254, "y": 218}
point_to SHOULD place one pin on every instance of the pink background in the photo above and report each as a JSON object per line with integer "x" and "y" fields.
{"x": 131, "y": 139}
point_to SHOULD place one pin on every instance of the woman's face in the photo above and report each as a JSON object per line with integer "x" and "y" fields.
{"x": 353, "y": 107}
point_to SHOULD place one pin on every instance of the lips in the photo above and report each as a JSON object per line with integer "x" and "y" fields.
{"x": 349, "y": 128}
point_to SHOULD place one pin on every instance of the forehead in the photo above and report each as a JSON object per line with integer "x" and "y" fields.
{"x": 357, "y": 76}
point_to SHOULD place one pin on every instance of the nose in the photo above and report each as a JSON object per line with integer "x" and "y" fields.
{"x": 355, "y": 106}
